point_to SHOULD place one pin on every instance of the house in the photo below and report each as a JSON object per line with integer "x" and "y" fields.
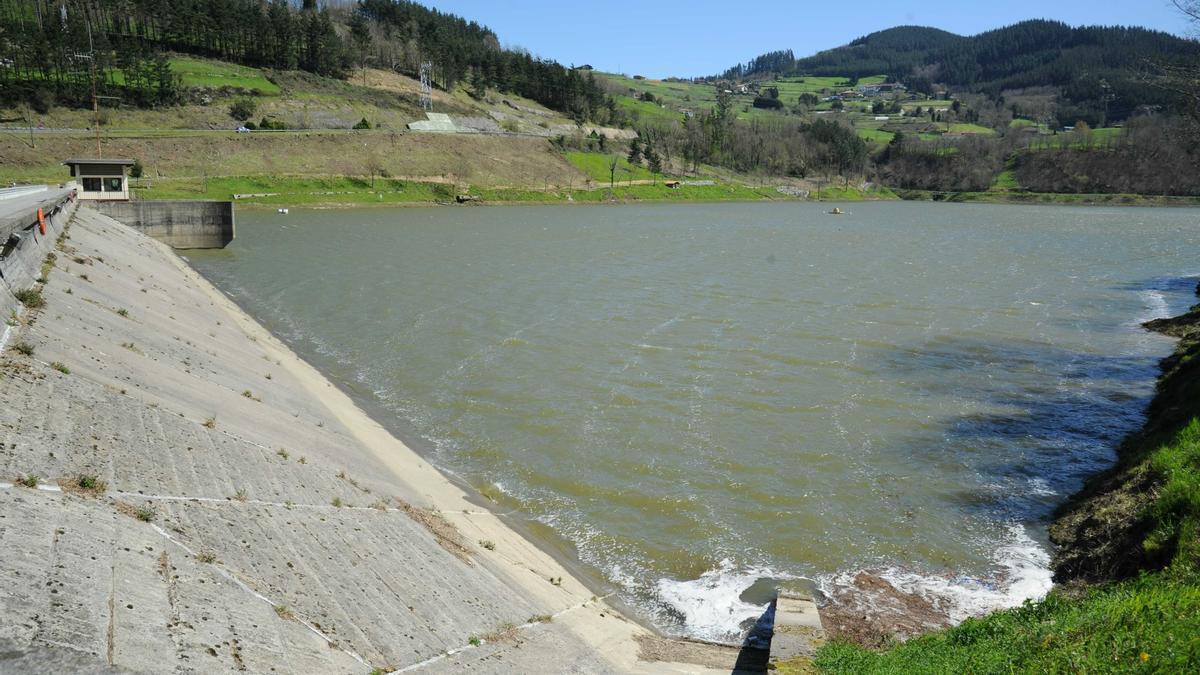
{"x": 101, "y": 179}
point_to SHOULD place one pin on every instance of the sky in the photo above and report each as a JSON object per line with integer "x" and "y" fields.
{"x": 705, "y": 37}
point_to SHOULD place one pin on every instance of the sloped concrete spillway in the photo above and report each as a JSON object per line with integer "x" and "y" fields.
{"x": 248, "y": 516}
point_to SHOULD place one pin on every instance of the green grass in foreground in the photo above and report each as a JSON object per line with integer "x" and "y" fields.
{"x": 1149, "y": 624}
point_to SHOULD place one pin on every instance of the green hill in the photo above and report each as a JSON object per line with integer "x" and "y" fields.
{"x": 1099, "y": 68}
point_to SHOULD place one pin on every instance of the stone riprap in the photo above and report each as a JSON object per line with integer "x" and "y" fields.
{"x": 250, "y": 517}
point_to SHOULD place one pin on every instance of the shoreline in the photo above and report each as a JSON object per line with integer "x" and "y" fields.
{"x": 395, "y": 585}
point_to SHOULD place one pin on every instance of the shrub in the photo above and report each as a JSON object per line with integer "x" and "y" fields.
{"x": 23, "y": 348}
{"x": 362, "y": 124}
{"x": 243, "y": 108}
{"x": 30, "y": 297}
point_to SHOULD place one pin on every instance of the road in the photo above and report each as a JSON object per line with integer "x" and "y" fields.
{"x": 19, "y": 211}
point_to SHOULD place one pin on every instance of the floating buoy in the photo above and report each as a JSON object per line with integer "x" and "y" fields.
{"x": 835, "y": 212}
{"x": 41, "y": 222}
{"x": 283, "y": 211}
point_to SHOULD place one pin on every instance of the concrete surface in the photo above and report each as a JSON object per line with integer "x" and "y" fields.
{"x": 252, "y": 518}
{"x": 798, "y": 629}
{"x": 20, "y": 265}
{"x": 180, "y": 224}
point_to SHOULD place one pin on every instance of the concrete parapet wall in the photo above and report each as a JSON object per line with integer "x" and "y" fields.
{"x": 21, "y": 266}
{"x": 178, "y": 224}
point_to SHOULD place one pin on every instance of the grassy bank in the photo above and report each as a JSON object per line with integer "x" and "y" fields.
{"x": 356, "y": 191}
{"x": 1130, "y": 558}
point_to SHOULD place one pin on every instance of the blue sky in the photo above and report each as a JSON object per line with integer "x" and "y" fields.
{"x": 704, "y": 37}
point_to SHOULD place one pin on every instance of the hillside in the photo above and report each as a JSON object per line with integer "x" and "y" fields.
{"x": 1100, "y": 69}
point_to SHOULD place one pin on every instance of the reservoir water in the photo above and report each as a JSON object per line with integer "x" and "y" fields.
{"x": 693, "y": 397}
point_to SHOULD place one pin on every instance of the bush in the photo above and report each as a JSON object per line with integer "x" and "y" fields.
{"x": 31, "y": 298}
{"x": 363, "y": 124}
{"x": 243, "y": 108}
{"x": 767, "y": 103}
{"x": 271, "y": 125}
{"x": 137, "y": 169}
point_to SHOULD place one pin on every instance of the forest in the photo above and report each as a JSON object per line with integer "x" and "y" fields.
{"x": 49, "y": 47}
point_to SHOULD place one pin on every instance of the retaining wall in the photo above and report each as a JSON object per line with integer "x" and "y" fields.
{"x": 178, "y": 224}
{"x": 21, "y": 266}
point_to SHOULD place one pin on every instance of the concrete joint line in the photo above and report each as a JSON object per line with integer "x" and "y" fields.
{"x": 466, "y": 647}
{"x": 231, "y": 577}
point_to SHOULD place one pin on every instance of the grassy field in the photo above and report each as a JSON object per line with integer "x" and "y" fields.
{"x": 195, "y": 72}
{"x": 595, "y": 166}
{"x": 466, "y": 159}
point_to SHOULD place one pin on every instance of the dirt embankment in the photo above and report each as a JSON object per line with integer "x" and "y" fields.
{"x": 1100, "y": 531}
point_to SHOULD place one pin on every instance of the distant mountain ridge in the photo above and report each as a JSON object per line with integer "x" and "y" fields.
{"x": 1093, "y": 64}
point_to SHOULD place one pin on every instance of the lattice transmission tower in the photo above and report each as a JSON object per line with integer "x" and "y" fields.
{"x": 426, "y": 86}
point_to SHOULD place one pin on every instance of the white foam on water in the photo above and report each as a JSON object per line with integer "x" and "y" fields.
{"x": 1156, "y": 306}
{"x": 1025, "y": 576}
{"x": 711, "y": 606}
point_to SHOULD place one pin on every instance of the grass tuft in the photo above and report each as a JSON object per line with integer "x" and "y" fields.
{"x": 58, "y": 365}
{"x": 30, "y": 297}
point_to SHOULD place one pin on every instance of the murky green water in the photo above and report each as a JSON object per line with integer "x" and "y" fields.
{"x": 696, "y": 396}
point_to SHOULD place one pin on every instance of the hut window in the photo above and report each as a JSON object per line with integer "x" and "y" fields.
{"x": 91, "y": 184}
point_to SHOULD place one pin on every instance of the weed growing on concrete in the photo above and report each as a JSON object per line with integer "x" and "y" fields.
{"x": 505, "y": 632}
{"x": 342, "y": 474}
{"x": 13, "y": 319}
{"x": 284, "y": 612}
{"x": 23, "y": 348}
{"x": 210, "y": 423}
{"x": 380, "y": 505}
{"x": 474, "y": 641}
{"x": 123, "y": 312}
{"x": 207, "y": 557}
{"x": 303, "y": 460}
{"x": 144, "y": 513}
{"x": 58, "y": 365}
{"x": 240, "y": 495}
{"x": 250, "y": 395}
{"x": 282, "y": 453}
{"x": 48, "y": 263}
{"x": 30, "y": 297}
{"x": 540, "y": 618}
{"x": 88, "y": 484}
{"x": 29, "y": 481}
{"x": 337, "y": 501}
{"x": 488, "y": 544}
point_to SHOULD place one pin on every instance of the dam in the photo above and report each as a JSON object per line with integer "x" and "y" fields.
{"x": 179, "y": 490}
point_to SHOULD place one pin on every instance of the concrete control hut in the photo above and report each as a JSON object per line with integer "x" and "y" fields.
{"x": 101, "y": 179}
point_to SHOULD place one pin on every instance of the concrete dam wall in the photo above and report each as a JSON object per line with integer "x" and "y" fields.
{"x": 25, "y": 245}
{"x": 178, "y": 224}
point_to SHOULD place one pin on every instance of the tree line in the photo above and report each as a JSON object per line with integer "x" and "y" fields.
{"x": 49, "y": 47}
